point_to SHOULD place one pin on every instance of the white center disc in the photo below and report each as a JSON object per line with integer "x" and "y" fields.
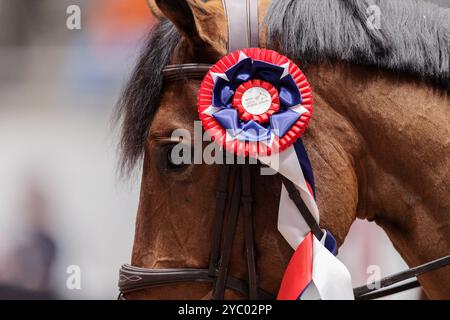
{"x": 256, "y": 100}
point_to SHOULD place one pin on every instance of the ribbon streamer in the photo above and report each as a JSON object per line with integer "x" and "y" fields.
{"x": 330, "y": 278}
{"x": 257, "y": 102}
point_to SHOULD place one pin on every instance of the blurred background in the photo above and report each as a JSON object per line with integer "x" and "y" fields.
{"x": 64, "y": 211}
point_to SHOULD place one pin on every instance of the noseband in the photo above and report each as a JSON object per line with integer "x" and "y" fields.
{"x": 234, "y": 195}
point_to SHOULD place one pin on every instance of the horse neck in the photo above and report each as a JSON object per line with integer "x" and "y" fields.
{"x": 404, "y": 177}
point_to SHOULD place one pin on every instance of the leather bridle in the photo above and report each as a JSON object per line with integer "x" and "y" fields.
{"x": 233, "y": 193}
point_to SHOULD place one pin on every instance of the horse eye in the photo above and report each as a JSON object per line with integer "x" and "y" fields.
{"x": 175, "y": 161}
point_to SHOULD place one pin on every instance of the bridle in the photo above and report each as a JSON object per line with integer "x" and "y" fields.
{"x": 234, "y": 192}
{"x": 235, "y": 187}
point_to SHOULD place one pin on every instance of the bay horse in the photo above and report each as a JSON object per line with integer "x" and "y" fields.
{"x": 379, "y": 140}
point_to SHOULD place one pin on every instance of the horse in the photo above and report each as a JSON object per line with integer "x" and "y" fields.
{"x": 378, "y": 141}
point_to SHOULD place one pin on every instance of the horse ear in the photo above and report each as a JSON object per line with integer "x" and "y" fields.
{"x": 155, "y": 10}
{"x": 201, "y": 22}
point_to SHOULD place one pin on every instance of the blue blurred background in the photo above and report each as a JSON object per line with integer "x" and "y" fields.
{"x": 62, "y": 202}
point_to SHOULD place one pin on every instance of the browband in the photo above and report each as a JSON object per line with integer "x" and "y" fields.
{"x": 183, "y": 71}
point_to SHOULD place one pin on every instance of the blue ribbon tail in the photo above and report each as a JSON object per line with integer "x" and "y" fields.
{"x": 305, "y": 164}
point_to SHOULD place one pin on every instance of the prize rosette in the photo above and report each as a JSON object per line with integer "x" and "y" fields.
{"x": 255, "y": 102}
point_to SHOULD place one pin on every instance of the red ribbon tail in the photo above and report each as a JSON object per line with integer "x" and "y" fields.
{"x": 298, "y": 273}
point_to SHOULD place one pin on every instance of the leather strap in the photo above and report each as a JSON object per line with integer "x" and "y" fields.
{"x": 389, "y": 291}
{"x": 364, "y": 291}
{"x": 294, "y": 194}
{"x": 221, "y": 201}
{"x": 135, "y": 278}
{"x": 243, "y": 24}
{"x": 247, "y": 201}
{"x": 227, "y": 245}
{"x": 185, "y": 71}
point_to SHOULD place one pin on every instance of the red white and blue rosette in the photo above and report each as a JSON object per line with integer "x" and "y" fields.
{"x": 254, "y": 102}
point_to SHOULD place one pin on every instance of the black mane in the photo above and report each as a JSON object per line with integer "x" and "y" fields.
{"x": 140, "y": 98}
{"x": 414, "y": 38}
